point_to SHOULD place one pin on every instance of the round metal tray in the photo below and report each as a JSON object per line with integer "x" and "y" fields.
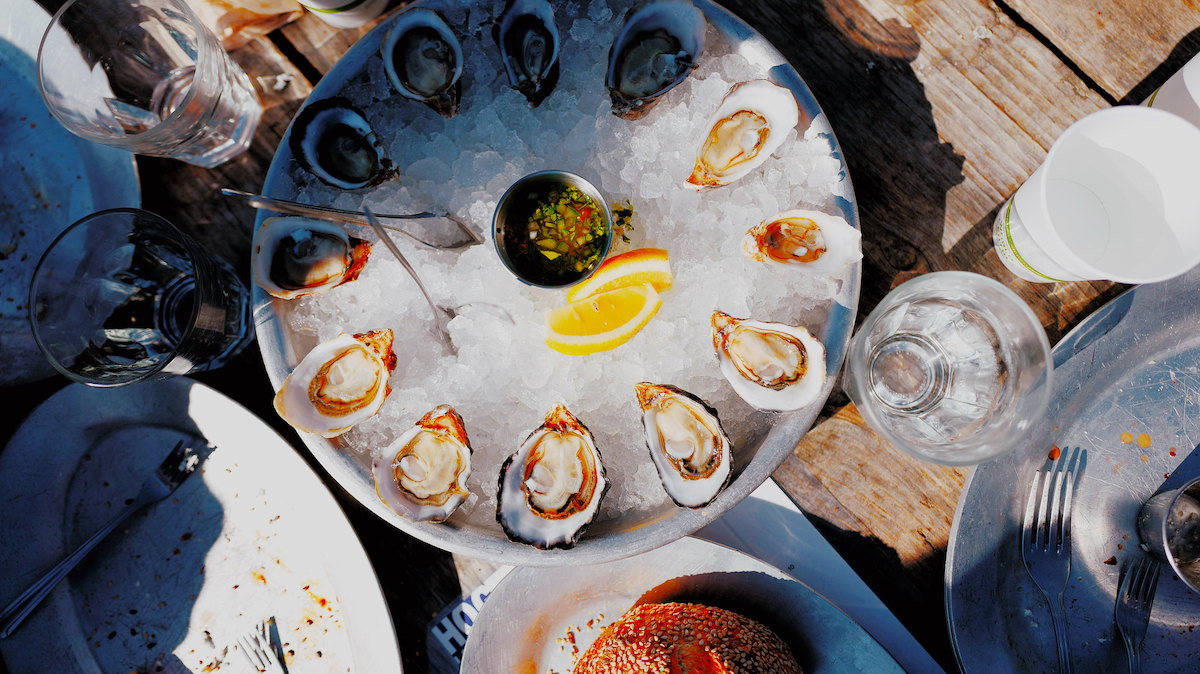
{"x": 632, "y": 532}
{"x": 1131, "y": 369}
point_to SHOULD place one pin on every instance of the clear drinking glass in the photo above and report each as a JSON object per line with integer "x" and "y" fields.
{"x": 952, "y": 367}
{"x": 122, "y": 296}
{"x": 152, "y": 80}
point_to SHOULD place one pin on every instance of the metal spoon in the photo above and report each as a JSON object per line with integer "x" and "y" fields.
{"x": 434, "y": 235}
{"x": 441, "y": 315}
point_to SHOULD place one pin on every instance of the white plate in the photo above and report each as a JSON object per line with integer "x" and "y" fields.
{"x": 256, "y": 534}
{"x": 541, "y": 619}
{"x": 51, "y": 179}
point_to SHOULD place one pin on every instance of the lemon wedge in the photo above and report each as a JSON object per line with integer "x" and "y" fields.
{"x": 601, "y": 322}
{"x": 632, "y": 268}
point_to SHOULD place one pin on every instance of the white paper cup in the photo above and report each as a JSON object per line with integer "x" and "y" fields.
{"x": 345, "y": 13}
{"x": 1117, "y": 199}
{"x": 1180, "y": 94}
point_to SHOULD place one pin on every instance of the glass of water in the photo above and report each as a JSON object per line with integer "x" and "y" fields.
{"x": 146, "y": 76}
{"x": 123, "y": 296}
{"x": 952, "y": 367}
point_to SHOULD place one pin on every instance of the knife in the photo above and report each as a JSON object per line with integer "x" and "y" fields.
{"x": 1185, "y": 471}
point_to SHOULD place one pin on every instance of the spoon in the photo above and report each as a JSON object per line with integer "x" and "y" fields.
{"x": 434, "y": 235}
{"x": 441, "y": 315}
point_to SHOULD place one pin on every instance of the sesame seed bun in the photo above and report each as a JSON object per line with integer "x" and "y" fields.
{"x": 686, "y": 639}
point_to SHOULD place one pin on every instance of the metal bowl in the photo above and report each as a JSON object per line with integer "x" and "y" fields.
{"x": 540, "y": 183}
{"x": 632, "y": 532}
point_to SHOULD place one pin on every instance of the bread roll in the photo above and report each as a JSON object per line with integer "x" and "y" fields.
{"x": 686, "y": 639}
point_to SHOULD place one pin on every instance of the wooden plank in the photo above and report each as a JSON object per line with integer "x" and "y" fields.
{"x": 318, "y": 42}
{"x": 322, "y": 44}
{"x": 943, "y": 108}
{"x": 1127, "y": 47}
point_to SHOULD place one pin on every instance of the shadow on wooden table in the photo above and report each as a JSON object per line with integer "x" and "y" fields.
{"x": 860, "y": 70}
{"x": 1184, "y": 51}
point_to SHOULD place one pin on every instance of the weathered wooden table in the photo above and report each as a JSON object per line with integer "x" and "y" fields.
{"x": 942, "y": 107}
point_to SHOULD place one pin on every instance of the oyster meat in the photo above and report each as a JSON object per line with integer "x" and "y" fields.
{"x": 772, "y": 366}
{"x": 424, "y": 59}
{"x": 751, "y": 122}
{"x": 332, "y": 140}
{"x": 550, "y": 489}
{"x": 528, "y": 41}
{"x": 687, "y": 444}
{"x": 339, "y": 383}
{"x": 656, "y": 48}
{"x": 810, "y": 240}
{"x": 423, "y": 474}
{"x": 293, "y": 257}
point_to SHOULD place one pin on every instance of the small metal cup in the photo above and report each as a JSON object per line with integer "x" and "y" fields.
{"x": 508, "y": 214}
{"x": 1169, "y": 524}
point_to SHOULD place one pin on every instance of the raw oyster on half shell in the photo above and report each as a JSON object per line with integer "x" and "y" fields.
{"x": 293, "y": 257}
{"x": 339, "y": 383}
{"x": 751, "y": 122}
{"x": 657, "y": 47}
{"x": 424, "y": 59}
{"x": 687, "y": 444}
{"x": 550, "y": 489}
{"x": 809, "y": 240}
{"x": 423, "y": 474}
{"x": 528, "y": 41}
{"x": 332, "y": 140}
{"x": 772, "y": 366}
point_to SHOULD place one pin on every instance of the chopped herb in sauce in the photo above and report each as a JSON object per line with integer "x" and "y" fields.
{"x": 562, "y": 238}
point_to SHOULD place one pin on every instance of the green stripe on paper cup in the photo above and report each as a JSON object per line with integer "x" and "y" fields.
{"x": 334, "y": 10}
{"x": 1006, "y": 247}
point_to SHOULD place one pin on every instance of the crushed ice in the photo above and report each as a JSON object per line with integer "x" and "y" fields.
{"x": 504, "y": 378}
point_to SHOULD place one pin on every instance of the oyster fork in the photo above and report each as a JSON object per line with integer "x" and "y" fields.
{"x": 1046, "y": 537}
{"x": 460, "y": 236}
{"x": 179, "y": 464}
{"x": 1135, "y": 598}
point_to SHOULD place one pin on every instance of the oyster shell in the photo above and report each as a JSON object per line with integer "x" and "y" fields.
{"x": 751, "y": 122}
{"x": 292, "y": 257}
{"x": 772, "y": 366}
{"x": 810, "y": 240}
{"x": 333, "y": 141}
{"x": 657, "y": 48}
{"x": 528, "y": 41}
{"x": 687, "y": 444}
{"x": 550, "y": 489}
{"x": 423, "y": 474}
{"x": 424, "y": 59}
{"x": 339, "y": 383}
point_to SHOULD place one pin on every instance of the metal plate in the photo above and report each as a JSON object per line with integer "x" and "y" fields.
{"x": 255, "y": 534}
{"x": 611, "y": 538}
{"x": 1131, "y": 368}
{"x": 525, "y": 623}
{"x": 51, "y": 179}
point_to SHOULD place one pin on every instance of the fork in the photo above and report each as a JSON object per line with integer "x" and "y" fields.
{"x": 435, "y": 235}
{"x": 179, "y": 464}
{"x": 259, "y": 648}
{"x": 1046, "y": 537}
{"x": 1135, "y": 597}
